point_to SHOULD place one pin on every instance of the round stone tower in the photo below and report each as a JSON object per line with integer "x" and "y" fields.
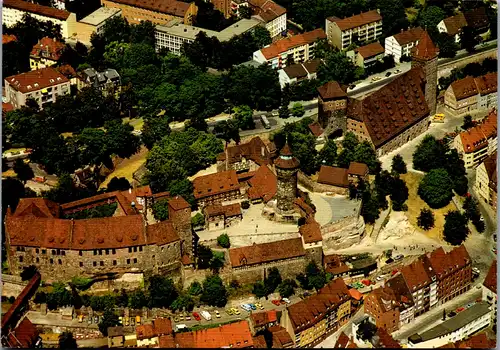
{"x": 287, "y": 167}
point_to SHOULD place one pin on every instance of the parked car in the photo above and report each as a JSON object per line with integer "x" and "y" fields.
{"x": 120, "y": 320}
{"x": 196, "y": 316}
{"x": 246, "y": 307}
{"x": 397, "y": 71}
{"x": 276, "y": 302}
{"x": 229, "y": 312}
{"x": 366, "y": 282}
{"x": 452, "y": 313}
{"x": 206, "y": 315}
{"x": 176, "y": 319}
{"x": 138, "y": 319}
{"x": 96, "y": 319}
{"x": 460, "y": 309}
{"x": 275, "y": 114}
{"x": 217, "y": 314}
{"x": 390, "y": 260}
{"x": 252, "y": 306}
{"x": 181, "y": 317}
{"x": 375, "y": 79}
{"x": 286, "y": 300}
{"x": 399, "y": 257}
{"x": 259, "y": 306}
{"x": 235, "y": 311}
{"x": 187, "y": 317}
{"x": 469, "y": 305}
{"x": 388, "y": 74}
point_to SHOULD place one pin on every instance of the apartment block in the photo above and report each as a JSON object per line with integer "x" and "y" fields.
{"x": 475, "y": 144}
{"x": 469, "y": 94}
{"x": 296, "y": 49}
{"x": 43, "y": 85}
{"x": 490, "y": 292}
{"x": 270, "y": 13}
{"x": 14, "y": 10}
{"x": 401, "y": 44}
{"x": 367, "y": 55}
{"x": 94, "y": 23}
{"x": 365, "y": 27}
{"x": 485, "y": 184}
{"x": 158, "y": 12}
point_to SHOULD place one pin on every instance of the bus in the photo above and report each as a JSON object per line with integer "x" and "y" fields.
{"x": 265, "y": 122}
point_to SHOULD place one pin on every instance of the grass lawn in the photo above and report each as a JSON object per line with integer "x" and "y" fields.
{"x": 415, "y": 204}
{"x": 137, "y": 123}
{"x": 128, "y": 166}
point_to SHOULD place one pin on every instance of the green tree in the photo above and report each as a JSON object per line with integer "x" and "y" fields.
{"x": 228, "y": 130}
{"x": 429, "y": 154}
{"x": 114, "y": 53}
{"x": 160, "y": 210}
{"x": 436, "y": 188}
{"x": 195, "y": 288}
{"x": 370, "y": 207}
{"x": 425, "y": 219}
{"x": 205, "y": 255}
{"x": 364, "y": 153}
{"x": 214, "y": 291}
{"x": 259, "y": 289}
{"x": 468, "y": 39}
{"x": 244, "y": 117}
{"x": 455, "y": 228}
{"x": 447, "y": 45}
{"x": 298, "y": 110}
{"x": 66, "y": 341}
{"x": 261, "y": 35}
{"x": 144, "y": 32}
{"x": 287, "y": 288}
{"x": 198, "y": 220}
{"x": 223, "y": 240}
{"x": 118, "y": 184}
{"x": 328, "y": 154}
{"x": 399, "y": 194}
{"x": 116, "y": 29}
{"x": 154, "y": 129}
{"x": 471, "y": 209}
{"x": 217, "y": 261}
{"x": 245, "y": 12}
{"x": 161, "y": 291}
{"x": 109, "y": 319}
{"x": 430, "y": 16}
{"x": 183, "y": 302}
{"x": 467, "y": 122}
{"x": 137, "y": 300}
{"x": 338, "y": 67}
{"x": 394, "y": 14}
{"x": 23, "y": 170}
{"x": 273, "y": 279}
{"x": 65, "y": 191}
{"x": 398, "y": 165}
{"x": 283, "y": 111}
{"x": 315, "y": 276}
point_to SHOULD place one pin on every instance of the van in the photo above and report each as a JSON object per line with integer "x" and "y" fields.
{"x": 180, "y": 327}
{"x": 246, "y": 307}
{"x": 206, "y": 315}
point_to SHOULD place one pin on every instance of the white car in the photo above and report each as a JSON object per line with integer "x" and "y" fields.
{"x": 286, "y": 300}
{"x": 476, "y": 270}
{"x": 246, "y": 307}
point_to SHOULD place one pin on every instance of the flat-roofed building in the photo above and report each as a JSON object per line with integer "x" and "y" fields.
{"x": 94, "y": 23}
{"x": 174, "y": 34}
{"x": 158, "y": 12}
{"x": 365, "y": 27}
{"x": 43, "y": 85}
{"x": 14, "y": 10}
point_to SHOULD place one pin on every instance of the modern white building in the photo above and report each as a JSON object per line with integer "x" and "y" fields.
{"x": 175, "y": 33}
{"x": 270, "y": 13}
{"x": 43, "y": 85}
{"x": 14, "y": 10}
{"x": 457, "y": 328}
{"x": 401, "y": 44}
{"x": 296, "y": 49}
{"x": 94, "y": 23}
{"x": 365, "y": 27}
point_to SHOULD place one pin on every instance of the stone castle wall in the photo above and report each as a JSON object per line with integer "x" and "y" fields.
{"x": 343, "y": 233}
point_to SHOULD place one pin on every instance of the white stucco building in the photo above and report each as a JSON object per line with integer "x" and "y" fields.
{"x": 401, "y": 44}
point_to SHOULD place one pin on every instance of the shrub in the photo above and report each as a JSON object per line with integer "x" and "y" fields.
{"x": 223, "y": 240}
{"x": 245, "y": 204}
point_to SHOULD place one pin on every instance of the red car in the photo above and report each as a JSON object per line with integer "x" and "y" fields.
{"x": 394, "y": 272}
{"x": 460, "y": 309}
{"x": 276, "y": 302}
{"x": 196, "y": 316}
{"x": 366, "y": 282}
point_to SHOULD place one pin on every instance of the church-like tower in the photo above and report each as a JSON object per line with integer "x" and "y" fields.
{"x": 425, "y": 55}
{"x": 287, "y": 167}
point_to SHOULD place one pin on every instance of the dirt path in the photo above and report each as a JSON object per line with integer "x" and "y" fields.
{"x": 128, "y": 166}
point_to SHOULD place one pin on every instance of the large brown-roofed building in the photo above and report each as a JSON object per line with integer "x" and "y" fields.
{"x": 219, "y": 216}
{"x": 421, "y": 281}
{"x": 299, "y": 47}
{"x": 453, "y": 25}
{"x": 46, "y": 53}
{"x": 366, "y": 26}
{"x": 338, "y": 179}
{"x": 244, "y": 157}
{"x": 486, "y": 180}
{"x": 298, "y": 72}
{"x": 216, "y": 188}
{"x": 367, "y": 55}
{"x": 263, "y": 185}
{"x": 469, "y": 94}
{"x": 319, "y": 315}
{"x": 14, "y": 10}
{"x": 400, "y": 44}
{"x": 475, "y": 144}
{"x": 43, "y": 85}
{"x": 158, "y": 12}
{"x": 39, "y": 234}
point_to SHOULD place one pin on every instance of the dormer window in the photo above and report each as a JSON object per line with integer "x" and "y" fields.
{"x": 36, "y": 84}
{"x": 29, "y": 87}
{"x": 51, "y": 80}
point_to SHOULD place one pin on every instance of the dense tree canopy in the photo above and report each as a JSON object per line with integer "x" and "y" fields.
{"x": 425, "y": 219}
{"x": 436, "y": 188}
{"x": 214, "y": 291}
{"x": 398, "y": 164}
{"x": 162, "y": 291}
{"x": 455, "y": 228}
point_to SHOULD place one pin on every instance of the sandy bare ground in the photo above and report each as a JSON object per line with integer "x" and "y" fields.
{"x": 128, "y": 166}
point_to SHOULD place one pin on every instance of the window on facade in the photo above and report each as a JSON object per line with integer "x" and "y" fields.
{"x": 37, "y": 250}
{"x": 135, "y": 260}
{"x": 100, "y": 251}
{"x": 140, "y": 248}
{"x": 135, "y": 249}
{"x": 37, "y": 260}
{"x": 53, "y": 252}
{"x": 44, "y": 251}
{"x": 81, "y": 264}
{"x": 107, "y": 251}
{"x": 63, "y": 253}
{"x": 95, "y": 251}
{"x": 59, "y": 261}
{"x": 51, "y": 261}
{"x": 114, "y": 251}
{"x": 80, "y": 253}
{"x": 114, "y": 262}
{"x": 94, "y": 263}
{"x": 101, "y": 263}
{"x": 130, "y": 249}
{"x": 20, "y": 259}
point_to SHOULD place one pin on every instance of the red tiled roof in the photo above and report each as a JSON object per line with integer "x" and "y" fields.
{"x": 454, "y": 24}
{"x": 255, "y": 150}
{"x": 490, "y": 281}
{"x": 409, "y": 36}
{"x": 226, "y": 210}
{"x": 313, "y": 309}
{"x": 316, "y": 129}
{"x": 487, "y": 84}
{"x": 477, "y": 137}
{"x": 477, "y": 18}
{"x": 490, "y": 163}
{"x": 6, "y": 107}
{"x": 213, "y": 184}
{"x": 386, "y": 340}
{"x": 8, "y": 38}
{"x": 170, "y": 7}
{"x": 357, "y": 20}
{"x": 260, "y": 319}
{"x": 295, "y": 71}
{"x": 24, "y": 336}
{"x": 464, "y": 88}
{"x": 333, "y": 176}
{"x": 334, "y": 264}
{"x": 266, "y": 252}
{"x": 234, "y": 335}
{"x": 162, "y": 233}
{"x": 9, "y": 319}
{"x": 166, "y": 341}
{"x": 370, "y": 50}
{"x": 39, "y": 207}
{"x": 48, "y": 48}
{"x": 178, "y": 203}
{"x": 444, "y": 263}
{"x": 356, "y": 294}
{"x": 145, "y": 331}
{"x": 415, "y": 275}
{"x": 162, "y": 326}
{"x": 342, "y": 341}
{"x": 284, "y": 45}
{"x": 425, "y": 49}
{"x": 263, "y": 184}
{"x": 477, "y": 341}
{"x": 356, "y": 168}
{"x": 37, "y": 9}
{"x": 232, "y": 209}
{"x": 286, "y": 160}
{"x": 267, "y": 9}
{"x": 281, "y": 338}
{"x": 36, "y": 79}
{"x": 393, "y": 108}
{"x": 311, "y": 231}
{"x": 214, "y": 210}
{"x": 259, "y": 342}
{"x": 301, "y": 203}
{"x": 332, "y": 89}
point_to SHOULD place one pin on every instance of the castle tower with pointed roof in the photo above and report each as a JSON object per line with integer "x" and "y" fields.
{"x": 287, "y": 167}
{"x": 425, "y": 55}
